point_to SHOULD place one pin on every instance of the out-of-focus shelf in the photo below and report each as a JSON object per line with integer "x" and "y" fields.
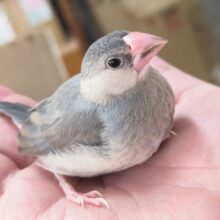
{"x": 32, "y": 65}
{"x": 22, "y": 25}
{"x": 147, "y": 8}
{"x": 72, "y": 53}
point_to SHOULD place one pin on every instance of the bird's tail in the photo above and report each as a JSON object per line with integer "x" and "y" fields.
{"x": 17, "y": 112}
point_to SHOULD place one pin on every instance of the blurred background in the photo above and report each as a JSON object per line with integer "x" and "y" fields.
{"x": 42, "y": 42}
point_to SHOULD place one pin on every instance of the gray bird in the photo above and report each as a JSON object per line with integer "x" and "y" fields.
{"x": 111, "y": 116}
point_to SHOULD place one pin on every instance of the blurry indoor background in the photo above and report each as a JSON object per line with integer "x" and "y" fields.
{"x": 42, "y": 42}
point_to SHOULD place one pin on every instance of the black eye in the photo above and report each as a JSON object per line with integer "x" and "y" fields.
{"x": 114, "y": 63}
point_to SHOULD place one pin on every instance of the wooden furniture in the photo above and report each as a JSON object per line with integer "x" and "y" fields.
{"x": 72, "y": 54}
{"x": 32, "y": 65}
{"x": 75, "y": 47}
{"x": 81, "y": 29}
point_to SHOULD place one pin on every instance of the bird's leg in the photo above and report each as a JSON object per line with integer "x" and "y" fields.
{"x": 94, "y": 197}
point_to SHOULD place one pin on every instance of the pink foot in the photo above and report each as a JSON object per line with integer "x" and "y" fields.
{"x": 93, "y": 198}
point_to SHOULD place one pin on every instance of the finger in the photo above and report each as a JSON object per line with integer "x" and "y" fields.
{"x": 4, "y": 92}
{"x": 7, "y": 167}
{"x": 27, "y": 190}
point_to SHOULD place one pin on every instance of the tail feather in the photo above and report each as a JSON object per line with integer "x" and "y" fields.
{"x": 16, "y": 111}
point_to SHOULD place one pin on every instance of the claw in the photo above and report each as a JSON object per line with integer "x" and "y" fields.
{"x": 81, "y": 201}
{"x": 173, "y": 133}
{"x": 93, "y": 194}
{"x": 104, "y": 203}
{"x": 97, "y": 202}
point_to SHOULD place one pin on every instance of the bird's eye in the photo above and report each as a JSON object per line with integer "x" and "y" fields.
{"x": 114, "y": 63}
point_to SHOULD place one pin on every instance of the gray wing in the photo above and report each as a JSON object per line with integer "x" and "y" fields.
{"x": 63, "y": 121}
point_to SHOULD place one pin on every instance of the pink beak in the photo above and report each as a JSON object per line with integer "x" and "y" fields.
{"x": 143, "y": 48}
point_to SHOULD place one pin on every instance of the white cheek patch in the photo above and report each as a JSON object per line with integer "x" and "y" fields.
{"x": 109, "y": 82}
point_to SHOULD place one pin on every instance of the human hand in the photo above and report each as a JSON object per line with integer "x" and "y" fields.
{"x": 181, "y": 181}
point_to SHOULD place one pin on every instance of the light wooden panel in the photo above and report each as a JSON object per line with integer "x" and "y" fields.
{"x": 22, "y": 26}
{"x": 32, "y": 65}
{"x": 72, "y": 53}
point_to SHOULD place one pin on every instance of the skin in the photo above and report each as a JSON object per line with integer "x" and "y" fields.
{"x": 181, "y": 181}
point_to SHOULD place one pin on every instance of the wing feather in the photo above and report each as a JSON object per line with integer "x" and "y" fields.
{"x": 63, "y": 121}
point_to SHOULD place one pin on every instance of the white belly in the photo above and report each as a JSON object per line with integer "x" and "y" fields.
{"x": 89, "y": 163}
{"x": 84, "y": 165}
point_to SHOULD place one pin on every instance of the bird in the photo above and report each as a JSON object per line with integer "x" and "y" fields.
{"x": 111, "y": 116}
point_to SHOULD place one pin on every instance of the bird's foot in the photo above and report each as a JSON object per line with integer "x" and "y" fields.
{"x": 93, "y": 198}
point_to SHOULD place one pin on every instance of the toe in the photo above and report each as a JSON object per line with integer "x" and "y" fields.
{"x": 93, "y": 194}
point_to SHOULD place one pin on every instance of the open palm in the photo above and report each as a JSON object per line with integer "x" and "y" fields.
{"x": 181, "y": 181}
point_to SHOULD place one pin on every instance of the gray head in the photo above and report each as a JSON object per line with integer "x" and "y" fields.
{"x": 114, "y": 63}
{"x": 109, "y": 46}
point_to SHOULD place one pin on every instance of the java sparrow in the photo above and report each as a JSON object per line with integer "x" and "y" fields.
{"x": 111, "y": 116}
